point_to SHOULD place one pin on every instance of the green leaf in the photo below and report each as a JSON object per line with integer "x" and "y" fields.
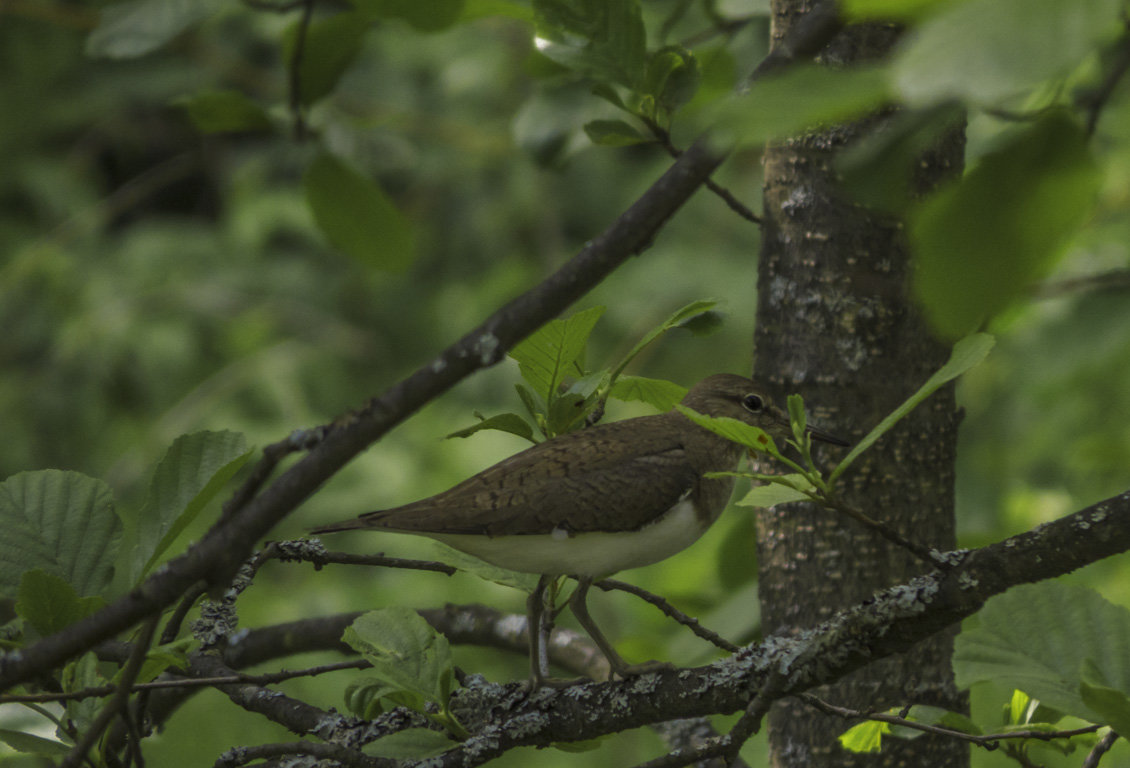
{"x": 137, "y": 27}
{"x": 503, "y": 422}
{"x": 658, "y": 393}
{"x": 328, "y": 50}
{"x": 529, "y": 400}
{"x": 966, "y": 353}
{"x": 61, "y": 522}
{"x": 927, "y": 715}
{"x": 573, "y": 747}
{"x": 48, "y": 603}
{"x": 799, "y": 99}
{"x": 365, "y": 697}
{"x": 1112, "y": 705}
{"x": 78, "y": 674}
{"x": 194, "y": 469}
{"x": 409, "y": 744}
{"x": 718, "y": 75}
{"x": 357, "y": 216}
{"x": 704, "y": 324}
{"x": 865, "y": 737}
{"x": 405, "y": 651}
{"x": 980, "y": 244}
{"x": 772, "y": 494}
{"x": 162, "y": 657}
{"x": 732, "y": 429}
{"x": 1015, "y": 644}
{"x": 216, "y": 111}
{"x": 34, "y": 745}
{"x": 587, "y": 385}
{"x": 672, "y": 77}
{"x": 955, "y": 721}
{"x": 603, "y": 39}
{"x": 988, "y": 50}
{"x": 609, "y": 94}
{"x": 797, "y": 417}
{"x": 430, "y": 16}
{"x": 687, "y": 316}
{"x": 613, "y": 133}
{"x": 1021, "y": 707}
{"x": 551, "y": 352}
{"x": 566, "y": 413}
{"x": 484, "y": 570}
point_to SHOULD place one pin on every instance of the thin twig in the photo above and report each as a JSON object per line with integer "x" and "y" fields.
{"x": 664, "y": 139}
{"x": 1100, "y": 749}
{"x": 1104, "y": 282}
{"x": 931, "y": 557}
{"x": 687, "y": 621}
{"x": 726, "y": 28}
{"x": 119, "y": 700}
{"x": 989, "y": 741}
{"x": 312, "y": 551}
{"x": 294, "y": 714}
{"x": 173, "y": 625}
{"x": 299, "y": 440}
{"x": 729, "y": 745}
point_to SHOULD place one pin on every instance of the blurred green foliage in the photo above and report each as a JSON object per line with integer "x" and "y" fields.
{"x": 161, "y": 271}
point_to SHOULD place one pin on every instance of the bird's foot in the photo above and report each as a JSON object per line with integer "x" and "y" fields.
{"x": 643, "y": 668}
{"x": 537, "y": 681}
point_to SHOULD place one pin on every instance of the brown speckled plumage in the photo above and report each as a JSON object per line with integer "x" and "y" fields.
{"x": 612, "y": 477}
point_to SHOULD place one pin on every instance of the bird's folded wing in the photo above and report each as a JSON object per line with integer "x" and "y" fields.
{"x": 623, "y": 495}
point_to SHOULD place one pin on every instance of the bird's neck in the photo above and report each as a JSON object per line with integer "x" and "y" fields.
{"x": 706, "y": 451}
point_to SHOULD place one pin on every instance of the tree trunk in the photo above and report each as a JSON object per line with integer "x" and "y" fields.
{"x": 835, "y": 322}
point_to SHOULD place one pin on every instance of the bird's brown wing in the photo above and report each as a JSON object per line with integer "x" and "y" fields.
{"x": 608, "y": 486}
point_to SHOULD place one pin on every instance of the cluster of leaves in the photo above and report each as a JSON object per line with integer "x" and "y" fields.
{"x": 68, "y": 550}
{"x": 1066, "y": 674}
{"x": 412, "y": 668}
{"x": 982, "y": 242}
{"x": 808, "y": 482}
{"x": 979, "y": 243}
{"x": 561, "y": 394}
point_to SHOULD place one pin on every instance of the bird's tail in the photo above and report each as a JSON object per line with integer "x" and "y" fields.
{"x": 357, "y": 523}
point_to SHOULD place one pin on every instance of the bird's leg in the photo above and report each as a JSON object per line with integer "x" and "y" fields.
{"x": 539, "y": 626}
{"x": 535, "y": 610}
{"x": 619, "y": 666}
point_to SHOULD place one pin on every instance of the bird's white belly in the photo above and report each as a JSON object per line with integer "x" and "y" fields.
{"x": 585, "y": 554}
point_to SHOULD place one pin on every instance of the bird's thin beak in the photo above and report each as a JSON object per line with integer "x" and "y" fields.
{"x": 824, "y": 437}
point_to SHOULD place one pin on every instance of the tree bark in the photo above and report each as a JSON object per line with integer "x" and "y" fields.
{"x": 835, "y": 322}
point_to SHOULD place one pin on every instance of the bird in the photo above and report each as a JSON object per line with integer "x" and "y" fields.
{"x": 590, "y": 503}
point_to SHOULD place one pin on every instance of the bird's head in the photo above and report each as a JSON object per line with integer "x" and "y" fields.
{"x": 736, "y": 397}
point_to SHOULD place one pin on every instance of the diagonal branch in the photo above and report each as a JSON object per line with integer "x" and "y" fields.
{"x": 225, "y": 546}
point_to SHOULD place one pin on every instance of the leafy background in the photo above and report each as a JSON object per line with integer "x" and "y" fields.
{"x": 160, "y": 276}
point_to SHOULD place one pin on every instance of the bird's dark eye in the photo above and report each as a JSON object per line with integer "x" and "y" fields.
{"x": 753, "y": 403}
